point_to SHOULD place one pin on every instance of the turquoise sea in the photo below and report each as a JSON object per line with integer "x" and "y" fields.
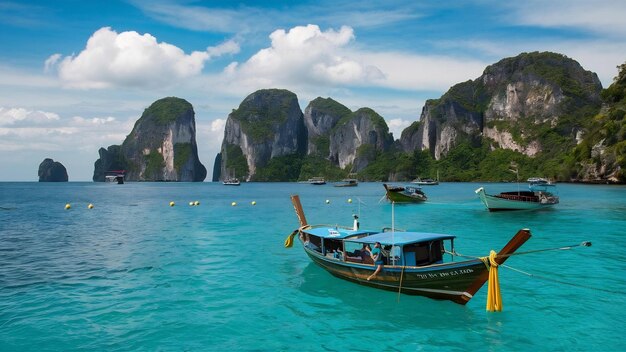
{"x": 134, "y": 274}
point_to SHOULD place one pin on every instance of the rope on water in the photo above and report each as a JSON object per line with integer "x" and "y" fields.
{"x": 562, "y": 282}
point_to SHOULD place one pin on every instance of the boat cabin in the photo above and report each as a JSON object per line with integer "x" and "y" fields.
{"x": 399, "y": 248}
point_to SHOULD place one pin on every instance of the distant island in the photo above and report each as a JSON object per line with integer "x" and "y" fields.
{"x": 540, "y": 110}
{"x": 52, "y": 171}
{"x": 161, "y": 147}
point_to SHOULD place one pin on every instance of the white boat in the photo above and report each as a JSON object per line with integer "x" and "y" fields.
{"x": 315, "y": 181}
{"x": 425, "y": 182}
{"x": 517, "y": 200}
{"x": 231, "y": 182}
{"x": 536, "y": 184}
{"x": 115, "y": 176}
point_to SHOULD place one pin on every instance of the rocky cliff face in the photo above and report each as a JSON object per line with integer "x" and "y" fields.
{"x": 52, "y": 171}
{"x": 512, "y": 106}
{"x": 267, "y": 124}
{"x": 161, "y": 147}
{"x": 320, "y": 117}
{"x": 357, "y": 137}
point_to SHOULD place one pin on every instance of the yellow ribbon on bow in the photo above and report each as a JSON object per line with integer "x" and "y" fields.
{"x": 494, "y": 299}
{"x": 289, "y": 239}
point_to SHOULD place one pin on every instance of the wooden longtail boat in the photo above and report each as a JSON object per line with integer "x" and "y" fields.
{"x": 517, "y": 200}
{"x": 405, "y": 194}
{"x": 415, "y": 263}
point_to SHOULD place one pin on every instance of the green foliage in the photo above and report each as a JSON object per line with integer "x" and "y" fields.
{"x": 281, "y": 168}
{"x": 182, "y": 153}
{"x": 322, "y": 143}
{"x": 166, "y": 110}
{"x": 236, "y": 163}
{"x": 330, "y": 107}
{"x": 154, "y": 166}
{"x": 377, "y": 120}
{"x": 313, "y": 166}
{"x": 262, "y": 111}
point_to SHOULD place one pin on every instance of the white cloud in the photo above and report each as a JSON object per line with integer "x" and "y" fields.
{"x": 305, "y": 57}
{"x": 302, "y": 55}
{"x": 130, "y": 59}
{"x": 13, "y": 116}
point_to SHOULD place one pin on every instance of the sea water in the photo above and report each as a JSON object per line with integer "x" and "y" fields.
{"x": 134, "y": 273}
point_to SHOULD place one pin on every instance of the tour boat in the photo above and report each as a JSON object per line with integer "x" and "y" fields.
{"x": 415, "y": 263}
{"x": 115, "y": 176}
{"x": 517, "y": 200}
{"x": 348, "y": 182}
{"x": 404, "y": 194}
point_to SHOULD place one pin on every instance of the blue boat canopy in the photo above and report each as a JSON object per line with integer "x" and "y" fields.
{"x": 403, "y": 238}
{"x": 336, "y": 233}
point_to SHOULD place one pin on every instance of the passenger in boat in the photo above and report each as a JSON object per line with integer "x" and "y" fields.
{"x": 377, "y": 256}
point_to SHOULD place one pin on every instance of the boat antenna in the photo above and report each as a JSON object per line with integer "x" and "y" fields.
{"x": 514, "y": 169}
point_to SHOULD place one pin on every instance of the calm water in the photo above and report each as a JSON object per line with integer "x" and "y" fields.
{"x": 134, "y": 273}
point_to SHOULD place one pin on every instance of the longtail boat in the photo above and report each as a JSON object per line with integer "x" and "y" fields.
{"x": 415, "y": 263}
{"x": 518, "y": 200}
{"x": 404, "y": 194}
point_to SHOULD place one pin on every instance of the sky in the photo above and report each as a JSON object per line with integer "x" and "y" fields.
{"x": 75, "y": 75}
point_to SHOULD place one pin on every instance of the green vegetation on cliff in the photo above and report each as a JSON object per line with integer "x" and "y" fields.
{"x": 182, "y": 153}
{"x": 166, "y": 110}
{"x": 261, "y": 111}
{"x": 236, "y": 163}
{"x": 604, "y": 145}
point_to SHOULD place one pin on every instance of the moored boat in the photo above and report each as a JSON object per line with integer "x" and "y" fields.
{"x": 540, "y": 184}
{"x": 115, "y": 176}
{"x": 315, "y": 181}
{"x": 404, "y": 194}
{"x": 231, "y": 182}
{"x": 347, "y": 182}
{"x": 414, "y": 263}
{"x": 517, "y": 200}
{"x": 425, "y": 182}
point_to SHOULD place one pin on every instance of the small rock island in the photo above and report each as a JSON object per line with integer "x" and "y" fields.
{"x": 52, "y": 171}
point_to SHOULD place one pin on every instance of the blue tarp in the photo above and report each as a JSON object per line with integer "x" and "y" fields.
{"x": 402, "y": 238}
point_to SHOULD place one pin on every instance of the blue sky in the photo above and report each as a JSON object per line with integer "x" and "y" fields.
{"x": 76, "y": 75}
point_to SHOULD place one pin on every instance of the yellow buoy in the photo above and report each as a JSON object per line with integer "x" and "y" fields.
{"x": 253, "y": 202}
{"x": 67, "y": 206}
{"x": 196, "y": 203}
{"x": 90, "y": 206}
{"x": 327, "y": 201}
{"x": 233, "y": 203}
{"x": 172, "y": 204}
{"x": 191, "y": 204}
{"x": 349, "y": 200}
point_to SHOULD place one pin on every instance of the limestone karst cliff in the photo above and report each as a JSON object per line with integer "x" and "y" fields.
{"x": 52, "y": 171}
{"x": 267, "y": 124}
{"x": 161, "y": 147}
{"x": 518, "y": 103}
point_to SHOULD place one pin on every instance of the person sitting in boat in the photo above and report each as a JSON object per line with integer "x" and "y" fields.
{"x": 377, "y": 256}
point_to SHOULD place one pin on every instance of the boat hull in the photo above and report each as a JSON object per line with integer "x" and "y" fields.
{"x": 398, "y": 195}
{"x": 450, "y": 281}
{"x": 495, "y": 203}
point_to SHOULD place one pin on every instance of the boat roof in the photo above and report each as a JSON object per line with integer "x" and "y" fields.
{"x": 404, "y": 237}
{"x": 336, "y": 233}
